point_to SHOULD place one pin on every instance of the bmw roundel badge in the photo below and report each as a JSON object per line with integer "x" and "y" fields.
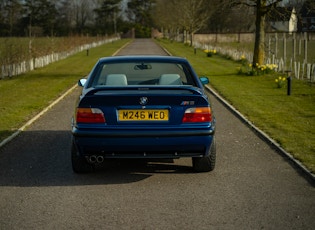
{"x": 143, "y": 100}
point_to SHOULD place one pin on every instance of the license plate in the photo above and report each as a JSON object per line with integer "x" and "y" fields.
{"x": 143, "y": 115}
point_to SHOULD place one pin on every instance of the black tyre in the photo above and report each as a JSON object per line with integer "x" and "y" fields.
{"x": 79, "y": 163}
{"x": 205, "y": 164}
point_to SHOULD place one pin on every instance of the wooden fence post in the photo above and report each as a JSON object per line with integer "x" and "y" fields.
{"x": 305, "y": 47}
{"x": 269, "y": 46}
{"x": 285, "y": 50}
{"x": 276, "y": 45}
{"x": 308, "y": 73}
{"x": 313, "y": 73}
{"x": 294, "y": 46}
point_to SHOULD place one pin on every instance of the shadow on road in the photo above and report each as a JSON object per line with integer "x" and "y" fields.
{"x": 48, "y": 164}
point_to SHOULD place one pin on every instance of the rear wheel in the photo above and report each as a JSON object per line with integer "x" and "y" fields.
{"x": 206, "y": 164}
{"x": 79, "y": 163}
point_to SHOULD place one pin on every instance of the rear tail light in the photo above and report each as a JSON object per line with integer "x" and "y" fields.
{"x": 199, "y": 114}
{"x": 90, "y": 115}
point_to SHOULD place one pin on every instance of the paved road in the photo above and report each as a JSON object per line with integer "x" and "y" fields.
{"x": 252, "y": 187}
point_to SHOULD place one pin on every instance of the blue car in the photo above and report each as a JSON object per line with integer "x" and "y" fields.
{"x": 144, "y": 107}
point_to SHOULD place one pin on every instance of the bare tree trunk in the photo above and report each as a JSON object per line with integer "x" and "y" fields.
{"x": 259, "y": 49}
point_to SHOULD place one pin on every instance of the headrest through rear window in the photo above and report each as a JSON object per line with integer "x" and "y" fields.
{"x": 170, "y": 79}
{"x": 116, "y": 79}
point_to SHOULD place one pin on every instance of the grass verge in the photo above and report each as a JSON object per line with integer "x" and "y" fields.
{"x": 289, "y": 120}
{"x": 24, "y": 96}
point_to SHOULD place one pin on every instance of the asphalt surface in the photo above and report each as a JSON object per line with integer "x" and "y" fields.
{"x": 252, "y": 186}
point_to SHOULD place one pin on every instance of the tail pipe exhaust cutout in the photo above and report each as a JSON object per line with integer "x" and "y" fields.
{"x": 95, "y": 159}
{"x": 99, "y": 159}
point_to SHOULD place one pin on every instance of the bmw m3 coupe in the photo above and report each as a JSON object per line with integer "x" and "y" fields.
{"x": 145, "y": 107}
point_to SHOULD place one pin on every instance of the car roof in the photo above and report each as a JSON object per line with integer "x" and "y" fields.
{"x": 141, "y": 58}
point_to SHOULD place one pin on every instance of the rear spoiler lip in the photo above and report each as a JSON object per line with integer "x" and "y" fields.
{"x": 193, "y": 89}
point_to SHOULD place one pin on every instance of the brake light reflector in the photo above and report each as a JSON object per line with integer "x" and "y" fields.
{"x": 90, "y": 115}
{"x": 199, "y": 114}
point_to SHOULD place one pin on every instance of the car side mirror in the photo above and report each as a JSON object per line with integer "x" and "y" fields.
{"x": 82, "y": 82}
{"x": 204, "y": 80}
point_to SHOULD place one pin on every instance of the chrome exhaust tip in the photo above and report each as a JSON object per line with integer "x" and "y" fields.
{"x": 99, "y": 159}
{"x": 92, "y": 159}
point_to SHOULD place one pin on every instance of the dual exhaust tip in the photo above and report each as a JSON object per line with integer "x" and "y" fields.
{"x": 95, "y": 159}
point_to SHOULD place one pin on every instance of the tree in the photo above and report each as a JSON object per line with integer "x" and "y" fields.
{"x": 262, "y": 7}
{"x": 228, "y": 19}
{"x": 185, "y": 15}
{"x": 82, "y": 10}
{"x": 47, "y": 17}
{"x": 140, "y": 13}
{"x": 10, "y": 15}
{"x": 165, "y": 17}
{"x": 107, "y": 16}
{"x": 65, "y": 19}
{"x": 307, "y": 11}
{"x": 76, "y": 16}
{"x": 194, "y": 15}
{"x": 39, "y": 17}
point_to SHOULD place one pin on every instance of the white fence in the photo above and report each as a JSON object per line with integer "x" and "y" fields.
{"x": 299, "y": 70}
{"x": 34, "y": 63}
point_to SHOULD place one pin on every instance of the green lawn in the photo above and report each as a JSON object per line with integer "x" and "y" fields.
{"x": 24, "y": 96}
{"x": 289, "y": 120}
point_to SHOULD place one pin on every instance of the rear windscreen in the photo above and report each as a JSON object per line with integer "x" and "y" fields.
{"x": 122, "y": 74}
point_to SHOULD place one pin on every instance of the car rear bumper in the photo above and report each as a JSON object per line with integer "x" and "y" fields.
{"x": 154, "y": 144}
{"x": 116, "y": 132}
